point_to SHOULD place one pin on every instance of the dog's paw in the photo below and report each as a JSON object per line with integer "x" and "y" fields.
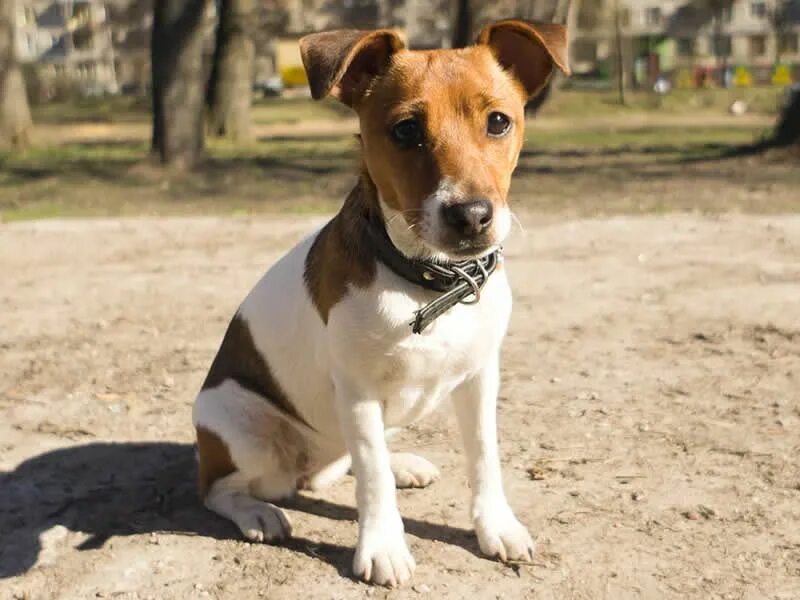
{"x": 503, "y": 536}
{"x": 261, "y": 521}
{"x": 412, "y": 471}
{"x": 382, "y": 557}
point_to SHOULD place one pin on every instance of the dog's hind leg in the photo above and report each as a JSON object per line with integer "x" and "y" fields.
{"x": 259, "y": 521}
{"x": 409, "y": 470}
{"x": 247, "y": 457}
{"x": 412, "y": 471}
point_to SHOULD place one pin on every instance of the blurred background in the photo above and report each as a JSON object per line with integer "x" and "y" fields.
{"x": 135, "y": 107}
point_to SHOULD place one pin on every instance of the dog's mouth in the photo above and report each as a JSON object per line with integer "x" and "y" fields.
{"x": 466, "y": 249}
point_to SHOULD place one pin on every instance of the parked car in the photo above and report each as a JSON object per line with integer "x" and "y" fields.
{"x": 269, "y": 88}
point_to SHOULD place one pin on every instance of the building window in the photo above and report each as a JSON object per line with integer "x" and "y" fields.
{"x": 652, "y": 16}
{"x": 722, "y": 45}
{"x": 83, "y": 40}
{"x": 27, "y": 16}
{"x": 686, "y": 46}
{"x": 758, "y": 9}
{"x": 758, "y": 45}
{"x": 790, "y": 43}
{"x": 31, "y": 46}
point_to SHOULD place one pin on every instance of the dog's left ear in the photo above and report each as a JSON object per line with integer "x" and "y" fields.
{"x": 530, "y": 51}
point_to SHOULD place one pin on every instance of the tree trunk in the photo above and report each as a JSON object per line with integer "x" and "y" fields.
{"x": 15, "y": 114}
{"x": 462, "y": 29}
{"x": 231, "y": 86}
{"x": 619, "y": 53}
{"x": 788, "y": 131}
{"x": 178, "y": 81}
{"x": 385, "y": 13}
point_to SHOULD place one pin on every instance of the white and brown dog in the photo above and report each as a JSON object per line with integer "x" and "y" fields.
{"x": 398, "y": 303}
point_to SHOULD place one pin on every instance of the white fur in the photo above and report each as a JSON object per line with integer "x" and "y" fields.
{"x": 352, "y": 380}
{"x": 419, "y": 238}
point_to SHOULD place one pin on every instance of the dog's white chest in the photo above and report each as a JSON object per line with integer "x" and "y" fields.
{"x": 412, "y": 373}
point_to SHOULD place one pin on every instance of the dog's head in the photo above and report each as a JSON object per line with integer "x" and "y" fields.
{"x": 441, "y": 130}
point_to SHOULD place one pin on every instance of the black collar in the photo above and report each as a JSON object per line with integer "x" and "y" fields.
{"x": 457, "y": 281}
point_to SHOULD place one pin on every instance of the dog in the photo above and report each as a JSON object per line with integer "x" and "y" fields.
{"x": 396, "y": 304}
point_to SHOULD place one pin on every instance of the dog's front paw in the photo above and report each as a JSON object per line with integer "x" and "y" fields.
{"x": 382, "y": 556}
{"x": 502, "y": 536}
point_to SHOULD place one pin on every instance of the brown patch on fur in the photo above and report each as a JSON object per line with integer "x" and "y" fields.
{"x": 451, "y": 93}
{"x": 239, "y": 359}
{"x": 341, "y": 254}
{"x": 531, "y": 51}
{"x": 213, "y": 460}
{"x": 342, "y": 63}
{"x": 290, "y": 448}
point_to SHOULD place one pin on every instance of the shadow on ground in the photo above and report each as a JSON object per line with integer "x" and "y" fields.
{"x": 108, "y": 490}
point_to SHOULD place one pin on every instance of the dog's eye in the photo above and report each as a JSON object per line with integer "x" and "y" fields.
{"x": 498, "y": 124}
{"x": 408, "y": 133}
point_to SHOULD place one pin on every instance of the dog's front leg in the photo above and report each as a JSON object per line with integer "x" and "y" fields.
{"x": 382, "y": 556}
{"x": 499, "y": 532}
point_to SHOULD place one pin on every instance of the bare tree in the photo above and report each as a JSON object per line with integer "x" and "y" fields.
{"x": 464, "y": 22}
{"x": 178, "y": 81}
{"x": 787, "y": 133}
{"x": 385, "y": 13}
{"x": 540, "y": 10}
{"x": 15, "y": 114}
{"x": 619, "y": 52}
{"x": 230, "y": 87}
{"x": 718, "y": 9}
{"x": 780, "y": 14}
{"x": 130, "y": 22}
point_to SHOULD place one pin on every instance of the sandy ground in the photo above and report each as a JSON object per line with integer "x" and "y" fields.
{"x": 649, "y": 417}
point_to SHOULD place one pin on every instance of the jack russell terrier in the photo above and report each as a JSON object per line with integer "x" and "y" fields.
{"x": 398, "y": 303}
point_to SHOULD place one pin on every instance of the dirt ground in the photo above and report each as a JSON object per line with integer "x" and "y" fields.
{"x": 649, "y": 417}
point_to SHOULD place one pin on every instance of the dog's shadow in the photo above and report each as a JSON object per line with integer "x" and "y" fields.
{"x": 107, "y": 490}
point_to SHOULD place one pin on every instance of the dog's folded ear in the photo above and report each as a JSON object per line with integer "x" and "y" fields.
{"x": 342, "y": 63}
{"x": 530, "y": 51}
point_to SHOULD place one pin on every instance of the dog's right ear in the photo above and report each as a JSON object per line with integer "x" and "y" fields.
{"x": 343, "y": 63}
{"x": 531, "y": 51}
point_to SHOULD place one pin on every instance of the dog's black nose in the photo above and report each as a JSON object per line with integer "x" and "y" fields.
{"x": 469, "y": 218}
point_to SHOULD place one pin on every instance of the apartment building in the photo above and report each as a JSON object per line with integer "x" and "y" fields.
{"x": 670, "y": 36}
{"x": 68, "y": 40}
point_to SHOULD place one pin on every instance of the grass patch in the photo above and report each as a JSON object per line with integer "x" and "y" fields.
{"x": 574, "y": 170}
{"x": 575, "y": 103}
{"x": 101, "y": 109}
{"x": 272, "y": 111}
{"x": 566, "y": 103}
{"x": 677, "y": 139}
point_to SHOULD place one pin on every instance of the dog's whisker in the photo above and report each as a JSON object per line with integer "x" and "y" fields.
{"x": 517, "y": 221}
{"x": 390, "y": 221}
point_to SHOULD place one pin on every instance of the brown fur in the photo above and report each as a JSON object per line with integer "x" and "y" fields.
{"x": 451, "y": 92}
{"x": 341, "y": 254}
{"x": 213, "y": 460}
{"x": 513, "y": 39}
{"x": 239, "y": 359}
{"x": 341, "y": 63}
